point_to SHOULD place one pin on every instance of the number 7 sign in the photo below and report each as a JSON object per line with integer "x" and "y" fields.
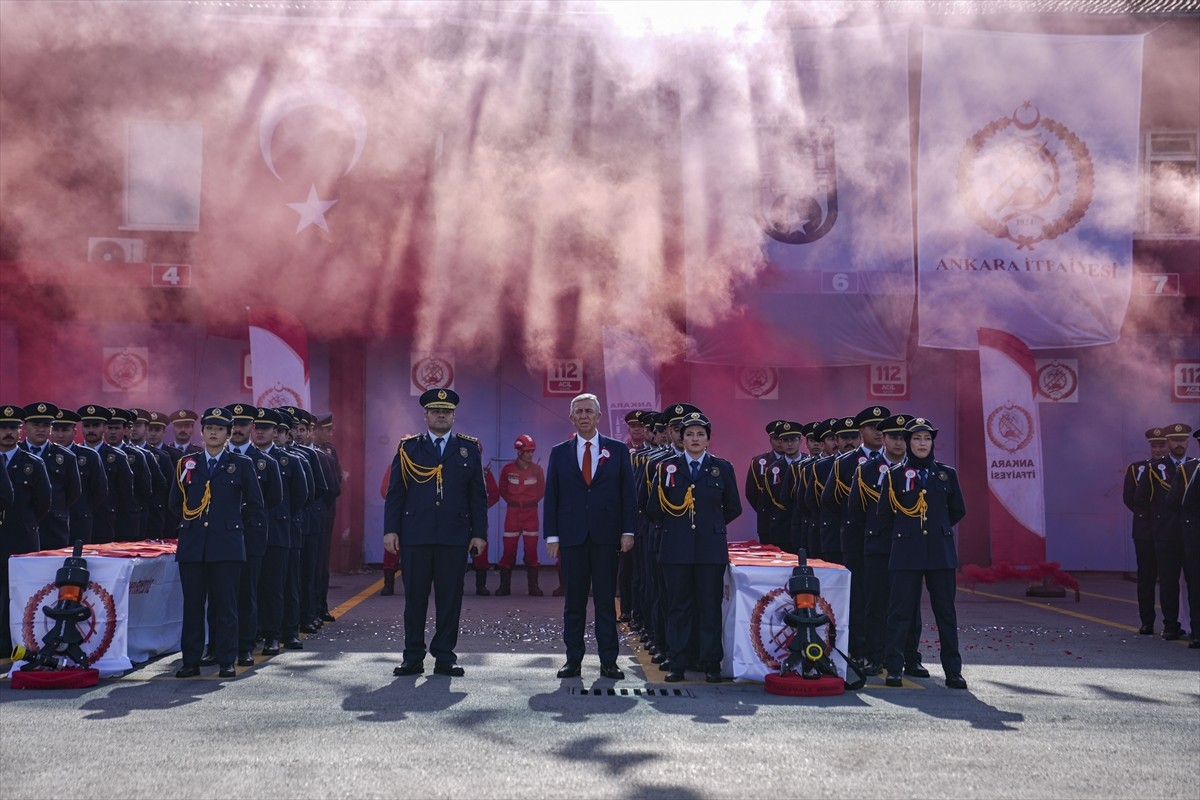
{"x": 888, "y": 380}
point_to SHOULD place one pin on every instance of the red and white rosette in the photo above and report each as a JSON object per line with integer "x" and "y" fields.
{"x": 670, "y": 470}
{"x": 910, "y": 479}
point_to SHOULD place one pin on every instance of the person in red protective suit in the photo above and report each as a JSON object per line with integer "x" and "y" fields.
{"x": 479, "y": 561}
{"x": 522, "y": 484}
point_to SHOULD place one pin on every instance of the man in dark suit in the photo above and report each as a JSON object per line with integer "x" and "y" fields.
{"x": 759, "y": 492}
{"x": 1164, "y": 525}
{"x": 590, "y": 513}
{"x": 436, "y": 508}
{"x": 162, "y": 468}
{"x": 283, "y": 537}
{"x": 213, "y": 492}
{"x": 30, "y": 504}
{"x": 55, "y": 528}
{"x": 93, "y": 480}
{"x": 167, "y": 459}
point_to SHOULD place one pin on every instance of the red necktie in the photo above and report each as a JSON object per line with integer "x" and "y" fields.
{"x": 587, "y": 463}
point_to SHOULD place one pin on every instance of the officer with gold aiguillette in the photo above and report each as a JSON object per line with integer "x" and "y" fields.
{"x": 436, "y": 507}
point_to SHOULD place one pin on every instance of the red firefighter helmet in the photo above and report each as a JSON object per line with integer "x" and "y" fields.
{"x": 525, "y": 442}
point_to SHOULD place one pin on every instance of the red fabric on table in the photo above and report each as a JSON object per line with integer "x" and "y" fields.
{"x": 147, "y": 549}
{"x": 753, "y": 554}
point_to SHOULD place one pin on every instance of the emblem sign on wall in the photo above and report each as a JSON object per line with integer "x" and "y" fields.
{"x": 430, "y": 371}
{"x": 756, "y": 383}
{"x": 1185, "y": 381}
{"x": 1057, "y": 380}
{"x": 126, "y": 369}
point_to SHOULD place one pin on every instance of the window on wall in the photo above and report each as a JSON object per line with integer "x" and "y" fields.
{"x": 1170, "y": 206}
{"x": 162, "y": 176}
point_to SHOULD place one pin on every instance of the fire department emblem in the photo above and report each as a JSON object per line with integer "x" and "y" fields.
{"x": 798, "y": 194}
{"x": 758, "y": 382}
{"x": 1026, "y": 178}
{"x": 98, "y": 630}
{"x": 125, "y": 370}
{"x": 278, "y": 396}
{"x": 432, "y": 372}
{"x": 1056, "y": 381}
{"x": 1010, "y": 427}
{"x": 771, "y": 635}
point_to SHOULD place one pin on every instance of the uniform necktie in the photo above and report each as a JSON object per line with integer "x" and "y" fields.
{"x": 695, "y": 471}
{"x": 587, "y": 463}
{"x": 212, "y": 465}
{"x": 923, "y": 474}
{"x": 438, "y": 443}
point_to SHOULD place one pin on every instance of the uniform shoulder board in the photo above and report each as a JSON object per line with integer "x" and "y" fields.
{"x": 468, "y": 438}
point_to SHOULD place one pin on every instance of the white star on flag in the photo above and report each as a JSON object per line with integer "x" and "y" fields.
{"x": 312, "y": 211}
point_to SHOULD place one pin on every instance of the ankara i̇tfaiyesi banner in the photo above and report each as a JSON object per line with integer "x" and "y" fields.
{"x": 1013, "y": 446}
{"x": 1027, "y": 186}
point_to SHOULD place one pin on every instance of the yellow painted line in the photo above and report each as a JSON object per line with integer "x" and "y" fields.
{"x": 1098, "y": 620}
{"x": 1110, "y": 597}
{"x": 374, "y": 588}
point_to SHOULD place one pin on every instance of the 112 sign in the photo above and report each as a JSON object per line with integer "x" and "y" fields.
{"x": 888, "y": 380}
{"x": 564, "y": 377}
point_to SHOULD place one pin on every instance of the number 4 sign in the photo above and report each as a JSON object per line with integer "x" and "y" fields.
{"x": 178, "y": 276}
{"x": 888, "y": 380}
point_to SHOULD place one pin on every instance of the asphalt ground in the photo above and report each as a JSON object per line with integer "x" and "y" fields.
{"x": 1065, "y": 700}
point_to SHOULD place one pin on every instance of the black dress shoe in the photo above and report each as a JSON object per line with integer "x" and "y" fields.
{"x": 664, "y": 667}
{"x": 409, "y": 668}
{"x": 246, "y": 659}
{"x": 187, "y": 672}
{"x": 227, "y": 671}
{"x": 569, "y": 670}
{"x": 327, "y": 617}
{"x": 894, "y": 679}
{"x": 207, "y": 659}
{"x": 293, "y": 643}
{"x": 449, "y": 670}
{"x": 1194, "y": 644}
{"x": 271, "y": 647}
{"x": 674, "y": 676}
{"x": 1170, "y": 635}
{"x": 623, "y": 618}
{"x": 917, "y": 670}
{"x": 956, "y": 682}
{"x": 713, "y": 676}
{"x": 870, "y": 668}
{"x": 659, "y": 658}
{"x": 308, "y": 627}
{"x": 1146, "y": 630}
{"x": 611, "y": 670}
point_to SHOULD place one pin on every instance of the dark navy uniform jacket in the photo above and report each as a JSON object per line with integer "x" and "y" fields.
{"x": 281, "y": 532}
{"x": 1136, "y": 474}
{"x": 862, "y": 522}
{"x": 255, "y": 517}
{"x": 1152, "y": 495}
{"x": 157, "y": 518}
{"x": 1184, "y": 500}
{"x": 600, "y": 513}
{"x": 922, "y": 544}
{"x": 219, "y": 533}
{"x": 63, "y": 471}
{"x": 94, "y": 483}
{"x": 416, "y": 511}
{"x": 644, "y": 482}
{"x": 31, "y": 502}
{"x": 700, "y": 538}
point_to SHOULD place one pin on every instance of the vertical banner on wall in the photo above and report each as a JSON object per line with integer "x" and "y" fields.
{"x": 630, "y": 377}
{"x": 279, "y": 359}
{"x": 1026, "y": 200}
{"x": 1013, "y": 442}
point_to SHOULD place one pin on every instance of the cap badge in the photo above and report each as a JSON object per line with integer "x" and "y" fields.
{"x": 41, "y": 408}
{"x": 441, "y": 394}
